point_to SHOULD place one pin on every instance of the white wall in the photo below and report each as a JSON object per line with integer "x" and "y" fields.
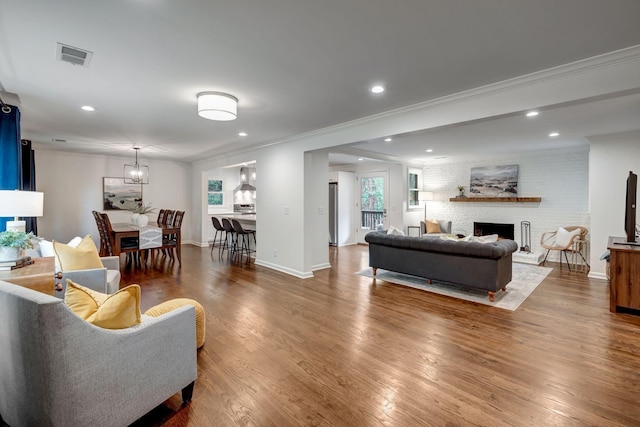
{"x": 72, "y": 186}
{"x": 612, "y": 157}
{"x": 317, "y": 208}
{"x": 560, "y": 178}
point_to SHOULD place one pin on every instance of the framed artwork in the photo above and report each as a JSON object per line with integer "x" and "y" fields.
{"x": 116, "y": 195}
{"x": 494, "y": 181}
{"x": 215, "y": 196}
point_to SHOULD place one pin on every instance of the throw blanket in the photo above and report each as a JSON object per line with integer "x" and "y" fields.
{"x": 150, "y": 237}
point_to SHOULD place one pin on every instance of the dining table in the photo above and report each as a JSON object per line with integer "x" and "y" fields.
{"x": 149, "y": 237}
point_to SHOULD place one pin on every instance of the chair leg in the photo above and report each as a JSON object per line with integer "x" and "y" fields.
{"x": 187, "y": 393}
{"x": 566, "y": 259}
{"x": 545, "y": 257}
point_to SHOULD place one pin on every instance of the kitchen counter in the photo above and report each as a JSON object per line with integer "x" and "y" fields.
{"x": 240, "y": 217}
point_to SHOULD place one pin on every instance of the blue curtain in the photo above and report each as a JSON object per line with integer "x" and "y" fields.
{"x": 10, "y": 153}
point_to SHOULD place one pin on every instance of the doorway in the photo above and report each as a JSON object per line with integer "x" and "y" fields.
{"x": 372, "y": 203}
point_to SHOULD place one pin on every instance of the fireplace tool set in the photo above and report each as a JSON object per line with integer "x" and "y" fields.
{"x": 525, "y": 236}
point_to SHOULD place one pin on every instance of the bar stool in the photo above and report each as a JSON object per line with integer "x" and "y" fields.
{"x": 218, "y": 241}
{"x": 229, "y": 233}
{"x": 245, "y": 245}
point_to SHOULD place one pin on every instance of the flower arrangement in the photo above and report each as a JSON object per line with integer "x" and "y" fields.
{"x": 17, "y": 239}
{"x": 143, "y": 209}
{"x": 461, "y": 188}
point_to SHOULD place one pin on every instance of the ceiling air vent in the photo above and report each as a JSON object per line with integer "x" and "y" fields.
{"x": 73, "y": 55}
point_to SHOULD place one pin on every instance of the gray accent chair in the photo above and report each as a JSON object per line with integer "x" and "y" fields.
{"x": 105, "y": 280}
{"x": 445, "y": 228}
{"x": 56, "y": 369}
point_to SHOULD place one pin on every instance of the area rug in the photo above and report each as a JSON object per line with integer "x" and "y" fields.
{"x": 525, "y": 278}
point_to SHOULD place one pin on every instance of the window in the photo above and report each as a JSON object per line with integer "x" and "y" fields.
{"x": 214, "y": 192}
{"x": 414, "y": 189}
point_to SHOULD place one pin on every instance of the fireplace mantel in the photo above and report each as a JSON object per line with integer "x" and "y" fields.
{"x": 496, "y": 199}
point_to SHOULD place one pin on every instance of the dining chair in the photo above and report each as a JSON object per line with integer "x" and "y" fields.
{"x": 105, "y": 242}
{"x": 162, "y": 213}
{"x": 129, "y": 245}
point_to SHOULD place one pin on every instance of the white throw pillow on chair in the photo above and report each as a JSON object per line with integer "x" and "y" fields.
{"x": 564, "y": 237}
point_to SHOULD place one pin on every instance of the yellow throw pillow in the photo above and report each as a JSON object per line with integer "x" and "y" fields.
{"x": 82, "y": 257}
{"x": 116, "y": 311}
{"x": 432, "y": 226}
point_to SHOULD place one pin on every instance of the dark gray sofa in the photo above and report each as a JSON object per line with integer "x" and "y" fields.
{"x": 484, "y": 266}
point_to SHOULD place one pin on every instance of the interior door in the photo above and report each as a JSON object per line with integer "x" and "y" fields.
{"x": 372, "y": 202}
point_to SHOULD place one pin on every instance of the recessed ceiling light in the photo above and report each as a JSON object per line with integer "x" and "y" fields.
{"x": 360, "y": 159}
{"x": 242, "y": 134}
{"x": 377, "y": 89}
{"x": 388, "y": 140}
{"x": 429, "y": 150}
{"x": 532, "y": 113}
{"x": 88, "y": 108}
{"x": 554, "y": 134}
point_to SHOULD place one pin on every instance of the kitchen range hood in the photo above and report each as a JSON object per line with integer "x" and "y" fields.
{"x": 245, "y": 174}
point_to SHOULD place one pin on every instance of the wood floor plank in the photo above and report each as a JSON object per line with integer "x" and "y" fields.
{"x": 345, "y": 350}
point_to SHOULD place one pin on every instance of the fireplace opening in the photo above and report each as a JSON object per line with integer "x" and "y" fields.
{"x": 504, "y": 231}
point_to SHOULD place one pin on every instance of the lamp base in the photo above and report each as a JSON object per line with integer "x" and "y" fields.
{"x": 17, "y": 226}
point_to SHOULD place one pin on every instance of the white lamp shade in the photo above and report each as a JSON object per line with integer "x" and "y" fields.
{"x": 217, "y": 106}
{"x": 21, "y": 203}
{"x": 425, "y": 196}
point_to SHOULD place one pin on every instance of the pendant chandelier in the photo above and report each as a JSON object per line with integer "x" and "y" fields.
{"x": 136, "y": 173}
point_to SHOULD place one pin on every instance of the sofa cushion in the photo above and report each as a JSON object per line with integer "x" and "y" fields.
{"x": 110, "y": 311}
{"x": 84, "y": 256}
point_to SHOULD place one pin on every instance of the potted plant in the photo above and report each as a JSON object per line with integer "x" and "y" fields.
{"x": 460, "y": 191}
{"x": 140, "y": 212}
{"x": 12, "y": 243}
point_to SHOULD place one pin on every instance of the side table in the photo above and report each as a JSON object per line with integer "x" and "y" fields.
{"x": 37, "y": 276}
{"x": 409, "y": 227}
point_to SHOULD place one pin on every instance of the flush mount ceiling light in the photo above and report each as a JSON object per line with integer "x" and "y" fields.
{"x": 136, "y": 173}
{"x": 553, "y": 134}
{"x": 88, "y": 108}
{"x": 532, "y": 113}
{"x": 377, "y": 89}
{"x": 217, "y": 106}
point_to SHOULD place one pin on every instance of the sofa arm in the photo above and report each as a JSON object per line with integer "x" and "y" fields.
{"x": 95, "y": 278}
{"x": 111, "y": 262}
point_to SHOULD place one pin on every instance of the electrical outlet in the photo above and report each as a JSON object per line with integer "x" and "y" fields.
{"x": 275, "y": 253}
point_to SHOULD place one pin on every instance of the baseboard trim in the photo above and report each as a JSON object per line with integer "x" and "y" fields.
{"x": 295, "y": 273}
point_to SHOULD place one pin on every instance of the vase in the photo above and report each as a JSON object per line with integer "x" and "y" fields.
{"x": 142, "y": 221}
{"x": 134, "y": 218}
{"x": 8, "y": 253}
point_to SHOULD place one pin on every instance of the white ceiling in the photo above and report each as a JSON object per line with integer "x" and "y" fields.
{"x": 297, "y": 66}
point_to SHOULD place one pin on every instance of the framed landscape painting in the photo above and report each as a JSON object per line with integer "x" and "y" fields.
{"x": 494, "y": 181}
{"x": 116, "y": 195}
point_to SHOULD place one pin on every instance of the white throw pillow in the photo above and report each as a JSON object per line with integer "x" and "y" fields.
{"x": 395, "y": 231}
{"x": 564, "y": 237}
{"x": 46, "y": 249}
{"x": 487, "y": 239}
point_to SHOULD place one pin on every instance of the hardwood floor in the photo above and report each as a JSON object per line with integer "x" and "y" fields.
{"x": 344, "y": 350}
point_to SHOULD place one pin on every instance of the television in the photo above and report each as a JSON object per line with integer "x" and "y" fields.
{"x": 630, "y": 209}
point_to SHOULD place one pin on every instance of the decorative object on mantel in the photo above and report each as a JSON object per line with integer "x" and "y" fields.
{"x": 496, "y": 199}
{"x": 460, "y": 191}
{"x": 136, "y": 173}
{"x": 494, "y": 181}
{"x": 140, "y": 212}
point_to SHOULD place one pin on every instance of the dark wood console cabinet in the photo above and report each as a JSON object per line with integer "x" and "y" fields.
{"x": 625, "y": 275}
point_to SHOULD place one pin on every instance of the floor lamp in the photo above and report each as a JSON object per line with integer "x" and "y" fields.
{"x": 424, "y": 197}
{"x": 17, "y": 203}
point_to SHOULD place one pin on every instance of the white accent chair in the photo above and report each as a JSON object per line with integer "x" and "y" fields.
{"x": 57, "y": 369}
